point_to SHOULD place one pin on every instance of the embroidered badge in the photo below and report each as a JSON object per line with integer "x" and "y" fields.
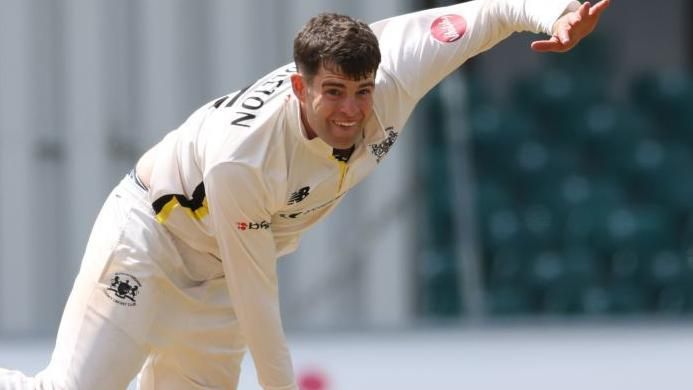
{"x": 123, "y": 289}
{"x": 380, "y": 150}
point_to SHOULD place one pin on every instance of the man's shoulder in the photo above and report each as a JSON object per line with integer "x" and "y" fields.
{"x": 391, "y": 101}
{"x": 249, "y": 125}
{"x": 261, "y": 146}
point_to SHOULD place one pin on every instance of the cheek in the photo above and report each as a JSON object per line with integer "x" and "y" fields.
{"x": 366, "y": 106}
{"x": 323, "y": 108}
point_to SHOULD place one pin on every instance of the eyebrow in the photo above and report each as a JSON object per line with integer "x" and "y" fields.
{"x": 341, "y": 85}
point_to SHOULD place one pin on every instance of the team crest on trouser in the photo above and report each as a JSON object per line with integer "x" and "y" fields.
{"x": 123, "y": 289}
{"x": 380, "y": 150}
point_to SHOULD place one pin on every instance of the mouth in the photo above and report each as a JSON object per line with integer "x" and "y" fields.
{"x": 344, "y": 124}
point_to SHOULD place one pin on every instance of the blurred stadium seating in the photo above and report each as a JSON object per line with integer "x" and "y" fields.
{"x": 584, "y": 200}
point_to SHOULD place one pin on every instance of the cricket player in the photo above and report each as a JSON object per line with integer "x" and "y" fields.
{"x": 179, "y": 274}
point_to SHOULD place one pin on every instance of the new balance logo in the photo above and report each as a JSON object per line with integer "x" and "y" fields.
{"x": 299, "y": 195}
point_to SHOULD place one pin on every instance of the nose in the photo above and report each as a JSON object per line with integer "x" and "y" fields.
{"x": 349, "y": 107}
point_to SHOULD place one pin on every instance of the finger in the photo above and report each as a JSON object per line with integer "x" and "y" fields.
{"x": 581, "y": 14}
{"x": 551, "y": 44}
{"x": 564, "y": 35}
{"x": 575, "y": 18}
{"x": 598, "y": 8}
{"x": 548, "y": 48}
{"x": 584, "y": 9}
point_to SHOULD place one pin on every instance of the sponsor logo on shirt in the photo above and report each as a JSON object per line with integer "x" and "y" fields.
{"x": 448, "y": 28}
{"x": 253, "y": 225}
{"x": 299, "y": 196}
{"x": 380, "y": 150}
{"x": 123, "y": 289}
{"x": 309, "y": 211}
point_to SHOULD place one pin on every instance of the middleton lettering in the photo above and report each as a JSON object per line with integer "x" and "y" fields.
{"x": 258, "y": 96}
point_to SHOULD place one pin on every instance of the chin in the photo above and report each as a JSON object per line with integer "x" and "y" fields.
{"x": 340, "y": 144}
{"x": 344, "y": 142}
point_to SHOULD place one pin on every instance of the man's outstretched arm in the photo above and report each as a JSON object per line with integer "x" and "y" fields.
{"x": 421, "y": 48}
{"x": 570, "y": 28}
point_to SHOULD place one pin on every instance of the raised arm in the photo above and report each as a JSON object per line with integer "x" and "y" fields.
{"x": 422, "y": 48}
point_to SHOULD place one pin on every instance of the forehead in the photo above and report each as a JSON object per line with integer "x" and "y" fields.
{"x": 334, "y": 76}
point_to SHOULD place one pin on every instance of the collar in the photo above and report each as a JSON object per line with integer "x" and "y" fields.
{"x": 374, "y": 131}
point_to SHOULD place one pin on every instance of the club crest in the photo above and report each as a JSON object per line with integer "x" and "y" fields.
{"x": 123, "y": 289}
{"x": 380, "y": 150}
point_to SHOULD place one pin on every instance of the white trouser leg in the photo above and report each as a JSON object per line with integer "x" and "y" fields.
{"x": 104, "y": 357}
{"x": 135, "y": 301}
{"x": 198, "y": 346}
{"x": 91, "y": 351}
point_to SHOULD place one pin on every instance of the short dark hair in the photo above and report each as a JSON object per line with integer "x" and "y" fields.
{"x": 339, "y": 43}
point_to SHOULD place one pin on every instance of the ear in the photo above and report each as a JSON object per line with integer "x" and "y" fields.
{"x": 298, "y": 84}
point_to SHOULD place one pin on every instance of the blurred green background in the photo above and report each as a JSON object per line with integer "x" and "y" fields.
{"x": 581, "y": 178}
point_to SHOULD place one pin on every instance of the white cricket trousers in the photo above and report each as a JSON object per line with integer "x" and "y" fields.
{"x": 137, "y": 307}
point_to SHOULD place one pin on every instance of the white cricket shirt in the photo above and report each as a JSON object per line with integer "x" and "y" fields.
{"x": 239, "y": 180}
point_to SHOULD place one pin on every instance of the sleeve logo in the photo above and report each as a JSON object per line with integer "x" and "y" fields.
{"x": 448, "y": 28}
{"x": 382, "y": 149}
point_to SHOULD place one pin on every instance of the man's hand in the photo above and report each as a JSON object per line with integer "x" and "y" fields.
{"x": 570, "y": 28}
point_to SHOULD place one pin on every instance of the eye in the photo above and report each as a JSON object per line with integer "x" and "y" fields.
{"x": 333, "y": 92}
{"x": 364, "y": 92}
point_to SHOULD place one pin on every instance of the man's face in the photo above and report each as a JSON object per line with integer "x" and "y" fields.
{"x": 334, "y": 107}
